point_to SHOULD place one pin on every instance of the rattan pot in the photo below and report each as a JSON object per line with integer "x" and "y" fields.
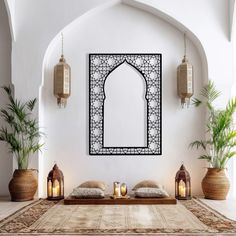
{"x": 215, "y": 184}
{"x": 23, "y": 185}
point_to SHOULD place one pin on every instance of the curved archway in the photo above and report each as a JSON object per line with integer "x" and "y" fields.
{"x": 10, "y": 6}
{"x": 139, "y": 5}
{"x": 177, "y": 27}
{"x": 125, "y": 90}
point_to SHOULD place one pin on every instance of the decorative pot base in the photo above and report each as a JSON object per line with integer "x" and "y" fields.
{"x": 215, "y": 184}
{"x": 23, "y": 185}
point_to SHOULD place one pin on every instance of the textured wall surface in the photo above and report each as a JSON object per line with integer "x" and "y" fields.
{"x": 109, "y": 26}
{"x": 121, "y": 29}
{"x": 5, "y": 78}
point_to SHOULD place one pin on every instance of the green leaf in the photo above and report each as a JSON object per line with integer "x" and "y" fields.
{"x": 219, "y": 128}
{"x": 198, "y": 144}
{"x": 8, "y": 90}
{"x": 205, "y": 157}
{"x": 22, "y": 133}
{"x": 196, "y": 102}
{"x": 31, "y": 104}
{"x": 209, "y": 92}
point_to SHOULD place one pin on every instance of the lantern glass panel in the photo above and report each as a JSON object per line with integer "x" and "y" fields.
{"x": 49, "y": 188}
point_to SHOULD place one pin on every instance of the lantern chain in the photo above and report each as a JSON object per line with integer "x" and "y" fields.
{"x": 62, "y": 44}
{"x": 185, "y": 46}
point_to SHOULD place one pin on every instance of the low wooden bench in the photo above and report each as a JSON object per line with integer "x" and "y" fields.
{"x": 107, "y": 200}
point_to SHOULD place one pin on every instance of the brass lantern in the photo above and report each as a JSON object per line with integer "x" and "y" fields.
{"x": 182, "y": 184}
{"x": 185, "y": 79}
{"x": 62, "y": 80}
{"x": 55, "y": 184}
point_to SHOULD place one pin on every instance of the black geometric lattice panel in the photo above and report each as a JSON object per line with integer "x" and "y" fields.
{"x": 100, "y": 66}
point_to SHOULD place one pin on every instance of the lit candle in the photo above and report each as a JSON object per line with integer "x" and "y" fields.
{"x": 117, "y": 189}
{"x": 54, "y": 192}
{"x": 182, "y": 189}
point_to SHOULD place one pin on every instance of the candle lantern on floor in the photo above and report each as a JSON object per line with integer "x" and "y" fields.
{"x": 182, "y": 184}
{"x": 55, "y": 184}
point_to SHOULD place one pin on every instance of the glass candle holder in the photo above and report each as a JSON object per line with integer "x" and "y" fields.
{"x": 116, "y": 186}
{"x": 123, "y": 189}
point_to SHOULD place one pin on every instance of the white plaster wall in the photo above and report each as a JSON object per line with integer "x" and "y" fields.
{"x": 5, "y": 78}
{"x": 121, "y": 29}
{"x": 10, "y": 7}
{"x": 208, "y": 21}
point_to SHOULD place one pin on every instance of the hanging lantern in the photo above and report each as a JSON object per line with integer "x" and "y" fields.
{"x": 185, "y": 79}
{"x": 62, "y": 80}
{"x": 182, "y": 184}
{"x": 55, "y": 184}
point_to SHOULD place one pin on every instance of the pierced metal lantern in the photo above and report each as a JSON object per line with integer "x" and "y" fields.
{"x": 55, "y": 184}
{"x": 62, "y": 80}
{"x": 182, "y": 184}
{"x": 185, "y": 79}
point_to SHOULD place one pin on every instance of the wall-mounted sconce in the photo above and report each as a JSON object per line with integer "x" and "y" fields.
{"x": 185, "y": 79}
{"x": 62, "y": 79}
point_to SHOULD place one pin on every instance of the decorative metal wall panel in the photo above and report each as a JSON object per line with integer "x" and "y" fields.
{"x": 100, "y": 66}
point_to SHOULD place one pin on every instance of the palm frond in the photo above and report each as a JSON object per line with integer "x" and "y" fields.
{"x": 196, "y": 102}
{"x": 220, "y": 128}
{"x": 8, "y": 90}
{"x": 31, "y": 104}
{"x": 205, "y": 157}
{"x": 23, "y": 133}
{"x": 198, "y": 144}
{"x": 210, "y": 92}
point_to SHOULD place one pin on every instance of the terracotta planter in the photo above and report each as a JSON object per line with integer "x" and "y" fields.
{"x": 215, "y": 184}
{"x": 23, "y": 185}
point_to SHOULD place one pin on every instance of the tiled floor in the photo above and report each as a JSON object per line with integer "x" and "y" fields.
{"x": 225, "y": 207}
{"x": 7, "y": 207}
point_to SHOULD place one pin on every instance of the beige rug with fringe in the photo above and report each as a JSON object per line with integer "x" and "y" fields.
{"x": 54, "y": 218}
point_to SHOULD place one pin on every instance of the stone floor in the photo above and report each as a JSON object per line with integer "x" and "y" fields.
{"x": 7, "y": 207}
{"x": 225, "y": 207}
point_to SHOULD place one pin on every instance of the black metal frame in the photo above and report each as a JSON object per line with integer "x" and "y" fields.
{"x": 103, "y": 68}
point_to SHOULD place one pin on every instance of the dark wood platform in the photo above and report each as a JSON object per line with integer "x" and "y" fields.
{"x": 119, "y": 201}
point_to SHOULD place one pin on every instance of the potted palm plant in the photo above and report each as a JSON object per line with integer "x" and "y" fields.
{"x": 219, "y": 143}
{"x": 22, "y": 134}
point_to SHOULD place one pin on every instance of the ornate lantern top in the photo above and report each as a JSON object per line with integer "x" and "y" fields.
{"x": 182, "y": 174}
{"x": 55, "y": 173}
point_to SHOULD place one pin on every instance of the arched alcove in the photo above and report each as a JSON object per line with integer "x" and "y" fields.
{"x": 125, "y": 90}
{"x": 124, "y": 28}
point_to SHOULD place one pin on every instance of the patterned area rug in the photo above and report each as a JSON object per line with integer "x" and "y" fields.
{"x": 186, "y": 218}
